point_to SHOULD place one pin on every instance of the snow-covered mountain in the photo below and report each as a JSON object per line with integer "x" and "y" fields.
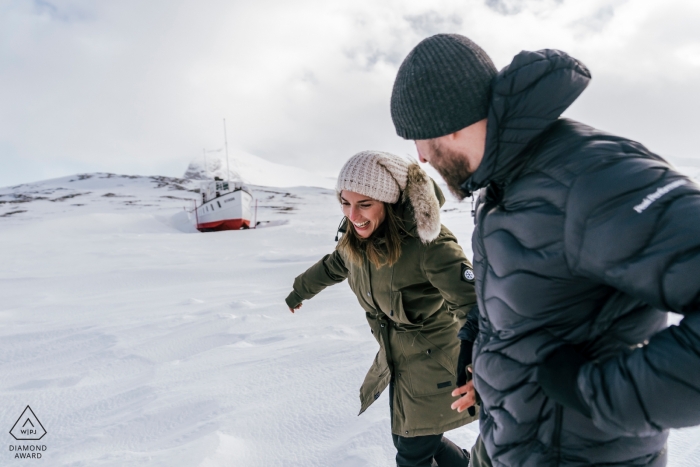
{"x": 253, "y": 170}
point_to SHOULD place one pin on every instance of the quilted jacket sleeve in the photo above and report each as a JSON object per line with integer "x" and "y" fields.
{"x": 328, "y": 271}
{"x": 443, "y": 262}
{"x": 634, "y": 224}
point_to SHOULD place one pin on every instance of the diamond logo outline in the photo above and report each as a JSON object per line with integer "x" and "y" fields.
{"x": 27, "y": 416}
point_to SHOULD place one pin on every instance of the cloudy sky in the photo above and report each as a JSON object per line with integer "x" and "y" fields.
{"x": 141, "y": 86}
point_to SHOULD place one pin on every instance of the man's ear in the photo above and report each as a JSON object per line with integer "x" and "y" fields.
{"x": 452, "y": 136}
{"x": 449, "y": 139}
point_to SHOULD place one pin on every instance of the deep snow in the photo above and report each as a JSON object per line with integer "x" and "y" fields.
{"x": 137, "y": 341}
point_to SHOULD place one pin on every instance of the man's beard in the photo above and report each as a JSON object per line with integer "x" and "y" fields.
{"x": 451, "y": 166}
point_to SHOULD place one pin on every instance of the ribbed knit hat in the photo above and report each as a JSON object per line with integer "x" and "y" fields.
{"x": 379, "y": 175}
{"x": 442, "y": 86}
{"x": 383, "y": 176}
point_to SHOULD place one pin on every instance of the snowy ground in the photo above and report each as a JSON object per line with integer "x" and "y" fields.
{"x": 139, "y": 342}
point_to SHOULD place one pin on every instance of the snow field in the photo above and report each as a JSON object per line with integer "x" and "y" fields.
{"x": 138, "y": 342}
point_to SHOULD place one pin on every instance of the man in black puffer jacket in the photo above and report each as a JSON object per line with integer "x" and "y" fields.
{"x": 583, "y": 241}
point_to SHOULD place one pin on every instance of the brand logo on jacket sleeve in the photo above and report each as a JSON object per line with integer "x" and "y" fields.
{"x": 646, "y": 202}
{"x": 467, "y": 274}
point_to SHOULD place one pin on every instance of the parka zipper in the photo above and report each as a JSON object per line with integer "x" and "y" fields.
{"x": 382, "y": 318}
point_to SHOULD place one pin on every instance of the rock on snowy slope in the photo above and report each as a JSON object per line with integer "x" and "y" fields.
{"x": 252, "y": 170}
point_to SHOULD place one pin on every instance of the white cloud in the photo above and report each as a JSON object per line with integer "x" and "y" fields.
{"x": 141, "y": 87}
{"x": 689, "y": 54}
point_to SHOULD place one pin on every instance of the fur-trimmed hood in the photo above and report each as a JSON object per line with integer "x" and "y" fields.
{"x": 424, "y": 198}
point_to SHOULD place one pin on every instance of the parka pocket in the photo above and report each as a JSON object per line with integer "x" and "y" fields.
{"x": 431, "y": 370}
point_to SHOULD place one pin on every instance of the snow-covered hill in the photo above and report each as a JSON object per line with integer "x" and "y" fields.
{"x": 165, "y": 199}
{"x": 95, "y": 192}
{"x": 139, "y": 342}
{"x": 253, "y": 170}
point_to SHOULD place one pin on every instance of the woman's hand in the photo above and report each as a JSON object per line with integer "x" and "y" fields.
{"x": 295, "y": 308}
{"x": 468, "y": 398}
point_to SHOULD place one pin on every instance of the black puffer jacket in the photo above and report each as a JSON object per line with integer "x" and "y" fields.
{"x": 581, "y": 239}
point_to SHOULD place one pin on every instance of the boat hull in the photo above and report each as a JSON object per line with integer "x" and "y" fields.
{"x": 229, "y": 224}
{"x": 229, "y": 211}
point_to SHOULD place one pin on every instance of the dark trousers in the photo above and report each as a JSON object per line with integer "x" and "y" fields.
{"x": 426, "y": 451}
{"x": 479, "y": 457}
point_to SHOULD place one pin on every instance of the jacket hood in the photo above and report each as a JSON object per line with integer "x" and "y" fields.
{"x": 420, "y": 204}
{"x": 425, "y": 199}
{"x": 527, "y": 96}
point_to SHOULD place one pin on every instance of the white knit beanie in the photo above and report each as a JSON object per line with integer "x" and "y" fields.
{"x": 379, "y": 175}
{"x": 383, "y": 176}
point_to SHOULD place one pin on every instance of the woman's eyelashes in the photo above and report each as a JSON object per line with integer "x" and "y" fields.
{"x": 361, "y": 206}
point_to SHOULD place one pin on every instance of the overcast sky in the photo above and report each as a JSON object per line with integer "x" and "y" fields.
{"x": 141, "y": 86}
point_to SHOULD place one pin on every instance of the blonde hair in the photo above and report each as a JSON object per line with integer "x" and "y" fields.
{"x": 382, "y": 247}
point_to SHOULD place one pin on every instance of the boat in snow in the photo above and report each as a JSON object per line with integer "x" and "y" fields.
{"x": 225, "y": 206}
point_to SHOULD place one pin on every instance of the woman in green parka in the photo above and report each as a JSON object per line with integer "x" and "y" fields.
{"x": 416, "y": 287}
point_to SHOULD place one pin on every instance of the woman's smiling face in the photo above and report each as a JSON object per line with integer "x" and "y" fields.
{"x": 365, "y": 213}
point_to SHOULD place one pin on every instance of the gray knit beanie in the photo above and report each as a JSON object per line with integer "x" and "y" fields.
{"x": 379, "y": 175}
{"x": 442, "y": 86}
{"x": 384, "y": 177}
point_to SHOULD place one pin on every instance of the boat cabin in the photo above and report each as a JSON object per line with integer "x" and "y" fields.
{"x": 212, "y": 189}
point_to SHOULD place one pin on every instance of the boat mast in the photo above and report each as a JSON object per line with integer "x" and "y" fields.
{"x": 206, "y": 171}
{"x": 228, "y": 169}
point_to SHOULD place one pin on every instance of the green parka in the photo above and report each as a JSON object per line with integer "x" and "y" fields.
{"x": 415, "y": 309}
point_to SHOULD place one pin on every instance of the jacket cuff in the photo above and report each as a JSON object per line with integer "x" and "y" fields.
{"x": 462, "y": 333}
{"x": 469, "y": 327}
{"x": 558, "y": 375}
{"x": 293, "y": 299}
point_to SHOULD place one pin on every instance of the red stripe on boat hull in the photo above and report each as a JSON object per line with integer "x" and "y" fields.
{"x": 229, "y": 224}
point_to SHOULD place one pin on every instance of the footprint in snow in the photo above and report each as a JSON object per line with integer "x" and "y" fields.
{"x": 242, "y": 304}
{"x": 227, "y": 316}
{"x": 192, "y": 301}
{"x": 241, "y": 345}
